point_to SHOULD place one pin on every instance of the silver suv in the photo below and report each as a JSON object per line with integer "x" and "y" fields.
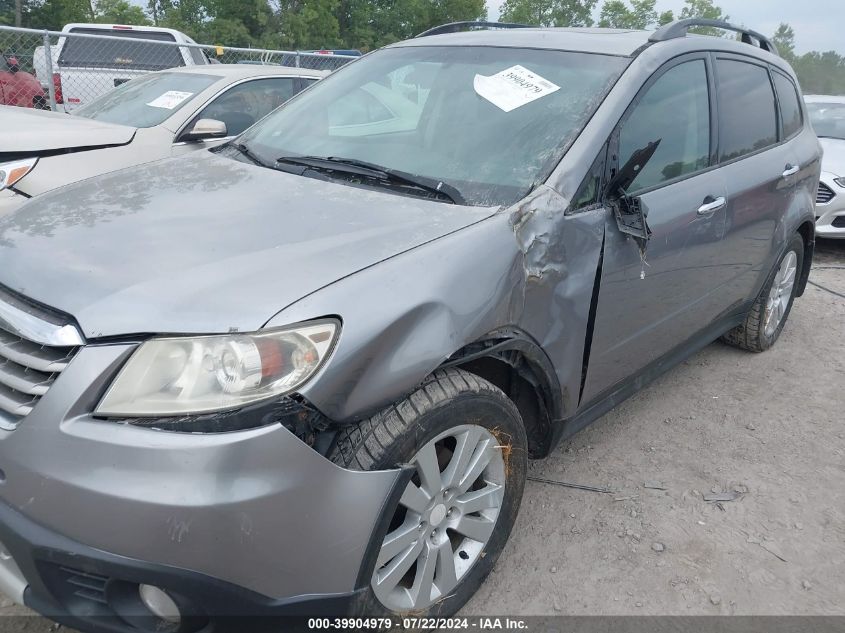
{"x": 303, "y": 373}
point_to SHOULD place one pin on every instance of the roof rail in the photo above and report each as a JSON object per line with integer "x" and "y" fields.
{"x": 455, "y": 27}
{"x": 679, "y": 28}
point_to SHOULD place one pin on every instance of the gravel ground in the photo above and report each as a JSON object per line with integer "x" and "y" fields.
{"x": 768, "y": 429}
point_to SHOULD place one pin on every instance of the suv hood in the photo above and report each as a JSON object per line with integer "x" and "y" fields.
{"x": 204, "y": 244}
{"x": 834, "y": 156}
{"x": 29, "y": 131}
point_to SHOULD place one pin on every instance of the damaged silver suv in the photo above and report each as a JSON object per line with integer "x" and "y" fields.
{"x": 303, "y": 373}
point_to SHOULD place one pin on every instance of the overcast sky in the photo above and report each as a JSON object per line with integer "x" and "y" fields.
{"x": 818, "y": 24}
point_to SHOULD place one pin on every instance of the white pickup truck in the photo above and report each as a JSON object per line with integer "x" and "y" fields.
{"x": 86, "y": 67}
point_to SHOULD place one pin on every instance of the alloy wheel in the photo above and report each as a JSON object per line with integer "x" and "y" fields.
{"x": 781, "y": 293}
{"x": 446, "y": 517}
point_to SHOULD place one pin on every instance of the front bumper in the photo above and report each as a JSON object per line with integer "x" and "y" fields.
{"x": 830, "y": 216}
{"x": 236, "y": 523}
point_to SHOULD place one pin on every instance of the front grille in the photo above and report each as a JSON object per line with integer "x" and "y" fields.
{"x": 839, "y": 222}
{"x": 28, "y": 368}
{"x": 825, "y": 194}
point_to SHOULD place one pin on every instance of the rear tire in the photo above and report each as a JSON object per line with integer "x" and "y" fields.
{"x": 467, "y": 442}
{"x": 768, "y": 315}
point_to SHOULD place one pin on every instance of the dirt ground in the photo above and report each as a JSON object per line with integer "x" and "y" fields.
{"x": 768, "y": 429}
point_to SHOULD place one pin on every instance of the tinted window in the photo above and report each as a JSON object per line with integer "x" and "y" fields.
{"x": 246, "y": 103}
{"x": 676, "y": 112}
{"x": 790, "y": 106}
{"x": 101, "y": 53}
{"x": 148, "y": 100}
{"x": 198, "y": 56}
{"x": 747, "y": 115}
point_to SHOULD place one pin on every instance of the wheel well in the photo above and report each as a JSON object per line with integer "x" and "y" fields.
{"x": 511, "y": 372}
{"x": 808, "y": 233}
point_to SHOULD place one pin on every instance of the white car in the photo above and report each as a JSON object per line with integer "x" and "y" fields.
{"x": 828, "y": 117}
{"x": 152, "y": 117}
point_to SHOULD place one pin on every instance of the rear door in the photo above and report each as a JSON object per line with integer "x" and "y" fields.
{"x": 760, "y": 167}
{"x": 652, "y": 300}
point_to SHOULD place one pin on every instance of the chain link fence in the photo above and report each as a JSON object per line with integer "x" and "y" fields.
{"x": 64, "y": 70}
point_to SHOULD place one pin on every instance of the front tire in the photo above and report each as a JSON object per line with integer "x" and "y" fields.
{"x": 467, "y": 443}
{"x": 768, "y": 315}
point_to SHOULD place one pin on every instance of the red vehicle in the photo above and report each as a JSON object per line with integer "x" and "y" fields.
{"x": 19, "y": 88}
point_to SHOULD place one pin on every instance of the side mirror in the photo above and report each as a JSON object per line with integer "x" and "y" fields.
{"x": 14, "y": 64}
{"x": 205, "y": 129}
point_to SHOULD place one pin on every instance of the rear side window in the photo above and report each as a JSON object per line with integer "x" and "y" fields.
{"x": 676, "y": 112}
{"x": 89, "y": 52}
{"x": 747, "y": 109}
{"x": 790, "y": 106}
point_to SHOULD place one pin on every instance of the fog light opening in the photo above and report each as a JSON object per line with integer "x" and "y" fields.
{"x": 159, "y": 603}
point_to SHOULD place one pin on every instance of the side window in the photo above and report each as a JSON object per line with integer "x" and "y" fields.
{"x": 676, "y": 112}
{"x": 4, "y": 66}
{"x": 244, "y": 104}
{"x": 197, "y": 56}
{"x": 747, "y": 115}
{"x": 790, "y": 106}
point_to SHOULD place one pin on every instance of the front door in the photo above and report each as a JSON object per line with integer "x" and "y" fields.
{"x": 656, "y": 294}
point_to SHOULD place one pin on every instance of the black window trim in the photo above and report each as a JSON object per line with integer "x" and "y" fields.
{"x": 748, "y": 59}
{"x": 772, "y": 71}
{"x": 613, "y": 152}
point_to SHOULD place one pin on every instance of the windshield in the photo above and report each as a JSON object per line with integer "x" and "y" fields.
{"x": 148, "y": 100}
{"x": 828, "y": 119}
{"x": 490, "y": 122}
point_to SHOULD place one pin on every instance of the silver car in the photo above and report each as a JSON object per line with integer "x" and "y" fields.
{"x": 156, "y": 116}
{"x": 827, "y": 114}
{"x": 303, "y": 372}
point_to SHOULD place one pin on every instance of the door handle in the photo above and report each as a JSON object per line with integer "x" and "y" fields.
{"x": 714, "y": 205}
{"x": 791, "y": 170}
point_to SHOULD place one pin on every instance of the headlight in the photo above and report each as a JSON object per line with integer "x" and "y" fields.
{"x": 179, "y": 376}
{"x": 11, "y": 172}
{"x": 840, "y": 182}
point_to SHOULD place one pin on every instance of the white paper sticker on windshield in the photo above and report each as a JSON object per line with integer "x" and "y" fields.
{"x": 513, "y": 87}
{"x": 170, "y": 99}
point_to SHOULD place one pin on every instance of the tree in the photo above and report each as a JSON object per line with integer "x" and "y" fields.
{"x": 549, "y": 12}
{"x": 119, "y": 12}
{"x": 641, "y": 15}
{"x": 784, "y": 39}
{"x": 310, "y": 24}
{"x": 704, "y": 9}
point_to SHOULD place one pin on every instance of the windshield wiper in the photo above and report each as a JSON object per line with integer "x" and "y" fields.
{"x": 377, "y": 172}
{"x": 243, "y": 149}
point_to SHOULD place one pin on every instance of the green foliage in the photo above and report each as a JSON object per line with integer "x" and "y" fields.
{"x": 119, "y": 12}
{"x": 549, "y": 12}
{"x": 641, "y": 15}
{"x": 705, "y": 9}
{"x": 784, "y": 39}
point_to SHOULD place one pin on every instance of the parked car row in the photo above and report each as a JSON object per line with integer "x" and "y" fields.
{"x": 302, "y": 372}
{"x": 157, "y": 115}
